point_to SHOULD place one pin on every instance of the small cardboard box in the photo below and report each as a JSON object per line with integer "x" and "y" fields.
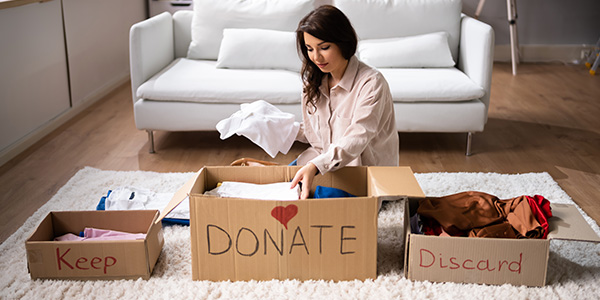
{"x": 122, "y": 259}
{"x": 489, "y": 260}
{"x": 330, "y": 239}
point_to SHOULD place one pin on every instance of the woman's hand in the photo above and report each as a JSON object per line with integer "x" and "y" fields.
{"x": 305, "y": 175}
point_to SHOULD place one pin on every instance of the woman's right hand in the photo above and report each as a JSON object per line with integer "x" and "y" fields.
{"x": 305, "y": 175}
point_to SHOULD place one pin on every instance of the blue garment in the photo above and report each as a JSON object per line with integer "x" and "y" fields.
{"x": 323, "y": 191}
{"x": 102, "y": 204}
{"x": 329, "y": 192}
{"x": 165, "y": 221}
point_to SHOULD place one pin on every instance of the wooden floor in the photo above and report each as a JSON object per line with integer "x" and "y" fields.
{"x": 545, "y": 119}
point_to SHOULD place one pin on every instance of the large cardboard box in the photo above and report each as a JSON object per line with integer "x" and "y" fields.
{"x": 331, "y": 239}
{"x": 124, "y": 259}
{"x": 489, "y": 260}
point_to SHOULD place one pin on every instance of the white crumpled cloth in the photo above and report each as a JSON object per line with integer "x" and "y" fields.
{"x": 264, "y": 124}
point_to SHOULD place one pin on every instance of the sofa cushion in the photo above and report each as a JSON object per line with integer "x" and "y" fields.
{"x": 212, "y": 16}
{"x": 431, "y": 84}
{"x": 200, "y": 81}
{"x": 381, "y": 19}
{"x": 429, "y": 50}
{"x": 253, "y": 48}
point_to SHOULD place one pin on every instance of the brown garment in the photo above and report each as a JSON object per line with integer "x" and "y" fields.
{"x": 478, "y": 214}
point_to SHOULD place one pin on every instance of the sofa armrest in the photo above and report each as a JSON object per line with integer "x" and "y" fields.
{"x": 476, "y": 53}
{"x": 151, "y": 48}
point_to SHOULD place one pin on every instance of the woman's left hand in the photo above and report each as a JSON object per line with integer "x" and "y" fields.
{"x": 305, "y": 175}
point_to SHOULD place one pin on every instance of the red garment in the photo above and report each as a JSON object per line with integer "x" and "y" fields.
{"x": 431, "y": 227}
{"x": 540, "y": 207}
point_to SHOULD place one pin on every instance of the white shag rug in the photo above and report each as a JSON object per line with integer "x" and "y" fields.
{"x": 573, "y": 272}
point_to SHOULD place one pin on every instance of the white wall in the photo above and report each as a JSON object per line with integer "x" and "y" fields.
{"x": 548, "y": 30}
{"x": 546, "y": 22}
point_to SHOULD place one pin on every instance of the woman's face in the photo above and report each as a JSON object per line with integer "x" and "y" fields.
{"x": 327, "y": 56}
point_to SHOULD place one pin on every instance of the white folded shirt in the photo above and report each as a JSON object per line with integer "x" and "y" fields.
{"x": 270, "y": 191}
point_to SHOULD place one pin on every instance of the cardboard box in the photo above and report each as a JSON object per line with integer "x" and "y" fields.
{"x": 489, "y": 260}
{"x": 124, "y": 259}
{"x": 330, "y": 239}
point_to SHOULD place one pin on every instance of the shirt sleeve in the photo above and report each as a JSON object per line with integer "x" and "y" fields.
{"x": 301, "y": 137}
{"x": 364, "y": 125}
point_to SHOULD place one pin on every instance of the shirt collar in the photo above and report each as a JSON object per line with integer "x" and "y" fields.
{"x": 347, "y": 78}
{"x": 349, "y": 74}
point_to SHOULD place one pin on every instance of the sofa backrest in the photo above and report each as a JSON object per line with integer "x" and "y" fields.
{"x": 372, "y": 19}
{"x": 380, "y": 19}
{"x": 182, "y": 31}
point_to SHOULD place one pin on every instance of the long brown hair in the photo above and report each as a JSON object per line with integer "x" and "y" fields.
{"x": 328, "y": 24}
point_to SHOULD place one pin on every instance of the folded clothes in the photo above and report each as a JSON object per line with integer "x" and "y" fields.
{"x": 132, "y": 198}
{"x": 95, "y": 234}
{"x": 272, "y": 191}
{"x": 269, "y": 191}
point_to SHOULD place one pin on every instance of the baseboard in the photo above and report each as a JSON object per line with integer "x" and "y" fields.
{"x": 33, "y": 137}
{"x": 573, "y": 54}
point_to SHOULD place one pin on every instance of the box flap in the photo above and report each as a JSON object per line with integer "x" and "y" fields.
{"x": 568, "y": 224}
{"x": 393, "y": 181}
{"x": 179, "y": 196}
{"x": 407, "y": 230}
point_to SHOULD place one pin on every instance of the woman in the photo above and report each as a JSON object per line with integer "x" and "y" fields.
{"x": 347, "y": 109}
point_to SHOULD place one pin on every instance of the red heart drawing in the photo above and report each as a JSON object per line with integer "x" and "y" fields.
{"x": 284, "y": 214}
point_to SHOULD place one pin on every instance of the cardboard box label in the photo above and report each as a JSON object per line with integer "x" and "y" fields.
{"x": 249, "y": 241}
{"x": 242, "y": 239}
{"x": 83, "y": 262}
{"x": 493, "y": 261}
{"x": 428, "y": 259}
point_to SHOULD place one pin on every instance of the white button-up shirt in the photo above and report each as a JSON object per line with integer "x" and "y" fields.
{"x": 354, "y": 122}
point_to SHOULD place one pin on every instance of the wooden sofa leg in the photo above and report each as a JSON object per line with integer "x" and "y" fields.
{"x": 469, "y": 140}
{"x": 151, "y": 140}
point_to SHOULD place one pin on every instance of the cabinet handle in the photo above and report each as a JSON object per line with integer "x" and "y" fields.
{"x": 181, "y": 3}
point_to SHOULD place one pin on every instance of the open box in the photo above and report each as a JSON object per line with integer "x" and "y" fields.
{"x": 117, "y": 259}
{"x": 489, "y": 260}
{"x": 331, "y": 239}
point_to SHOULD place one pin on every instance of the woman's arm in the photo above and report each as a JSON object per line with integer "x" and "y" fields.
{"x": 305, "y": 176}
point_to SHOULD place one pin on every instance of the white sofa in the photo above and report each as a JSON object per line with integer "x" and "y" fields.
{"x": 174, "y": 93}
